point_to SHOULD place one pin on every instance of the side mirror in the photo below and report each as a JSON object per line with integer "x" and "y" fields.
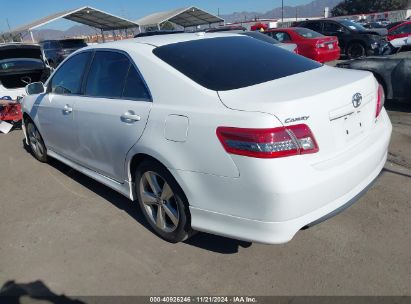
{"x": 35, "y": 88}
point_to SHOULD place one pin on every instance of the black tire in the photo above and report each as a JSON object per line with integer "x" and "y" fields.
{"x": 356, "y": 50}
{"x": 171, "y": 231}
{"x": 36, "y": 143}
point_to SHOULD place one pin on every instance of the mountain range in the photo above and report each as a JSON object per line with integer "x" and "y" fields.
{"x": 312, "y": 9}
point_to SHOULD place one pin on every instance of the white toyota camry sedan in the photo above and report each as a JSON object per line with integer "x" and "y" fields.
{"x": 220, "y": 133}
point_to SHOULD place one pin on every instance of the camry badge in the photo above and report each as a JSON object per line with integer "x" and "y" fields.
{"x": 356, "y": 100}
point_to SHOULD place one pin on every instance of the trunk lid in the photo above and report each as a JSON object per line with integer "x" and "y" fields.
{"x": 321, "y": 98}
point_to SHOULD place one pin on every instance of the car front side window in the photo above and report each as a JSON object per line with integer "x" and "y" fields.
{"x": 68, "y": 78}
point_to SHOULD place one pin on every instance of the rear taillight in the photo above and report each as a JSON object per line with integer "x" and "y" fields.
{"x": 380, "y": 100}
{"x": 320, "y": 45}
{"x": 268, "y": 143}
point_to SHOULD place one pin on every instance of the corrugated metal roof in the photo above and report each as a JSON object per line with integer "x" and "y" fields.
{"x": 189, "y": 16}
{"x": 85, "y": 15}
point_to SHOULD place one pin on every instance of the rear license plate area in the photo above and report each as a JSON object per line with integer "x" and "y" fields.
{"x": 352, "y": 125}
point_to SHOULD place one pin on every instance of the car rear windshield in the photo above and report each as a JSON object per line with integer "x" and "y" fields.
{"x": 228, "y": 63}
{"x": 307, "y": 33}
{"x": 261, "y": 37}
{"x": 71, "y": 44}
{"x": 18, "y": 64}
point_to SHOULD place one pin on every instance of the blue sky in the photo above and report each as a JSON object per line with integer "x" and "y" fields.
{"x": 19, "y": 12}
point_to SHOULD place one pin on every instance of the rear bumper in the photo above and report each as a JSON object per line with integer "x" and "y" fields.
{"x": 327, "y": 56}
{"x": 276, "y": 232}
{"x": 271, "y": 201}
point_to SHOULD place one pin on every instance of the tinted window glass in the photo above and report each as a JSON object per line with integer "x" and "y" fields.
{"x": 68, "y": 77}
{"x": 260, "y": 36}
{"x": 352, "y": 25}
{"x": 72, "y": 43}
{"x": 403, "y": 29}
{"x": 135, "y": 87}
{"x": 107, "y": 74}
{"x": 332, "y": 27}
{"x": 228, "y": 63}
{"x": 315, "y": 26}
{"x": 307, "y": 33}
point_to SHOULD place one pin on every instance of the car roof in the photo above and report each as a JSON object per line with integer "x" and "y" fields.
{"x": 161, "y": 40}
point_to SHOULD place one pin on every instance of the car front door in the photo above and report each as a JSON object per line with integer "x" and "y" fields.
{"x": 55, "y": 109}
{"x": 113, "y": 114}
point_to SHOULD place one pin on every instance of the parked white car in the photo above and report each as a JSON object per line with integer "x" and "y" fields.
{"x": 206, "y": 136}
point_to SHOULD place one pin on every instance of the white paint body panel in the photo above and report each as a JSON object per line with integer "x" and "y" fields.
{"x": 264, "y": 200}
{"x": 399, "y": 42}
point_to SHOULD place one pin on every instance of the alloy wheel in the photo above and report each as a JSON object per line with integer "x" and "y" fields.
{"x": 159, "y": 202}
{"x": 35, "y": 140}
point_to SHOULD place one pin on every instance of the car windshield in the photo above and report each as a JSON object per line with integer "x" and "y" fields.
{"x": 16, "y": 64}
{"x": 71, "y": 44}
{"x": 228, "y": 63}
{"x": 352, "y": 25}
{"x": 307, "y": 33}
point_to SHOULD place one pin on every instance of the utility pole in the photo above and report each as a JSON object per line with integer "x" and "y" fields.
{"x": 296, "y": 13}
{"x": 282, "y": 11}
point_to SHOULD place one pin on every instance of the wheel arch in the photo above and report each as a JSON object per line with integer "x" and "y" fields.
{"x": 138, "y": 158}
{"x": 353, "y": 41}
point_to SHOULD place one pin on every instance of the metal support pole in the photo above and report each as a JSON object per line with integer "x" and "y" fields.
{"x": 282, "y": 11}
{"x": 102, "y": 35}
{"x": 31, "y": 35}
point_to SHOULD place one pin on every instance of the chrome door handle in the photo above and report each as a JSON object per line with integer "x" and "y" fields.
{"x": 67, "y": 109}
{"x": 130, "y": 117}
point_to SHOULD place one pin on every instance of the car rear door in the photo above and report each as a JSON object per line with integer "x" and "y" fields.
{"x": 55, "y": 107}
{"x": 113, "y": 114}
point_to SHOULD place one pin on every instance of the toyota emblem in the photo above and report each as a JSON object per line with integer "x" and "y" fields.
{"x": 356, "y": 100}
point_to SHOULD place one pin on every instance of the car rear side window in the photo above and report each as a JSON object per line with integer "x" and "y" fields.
{"x": 228, "y": 63}
{"x": 135, "y": 87}
{"x": 68, "y": 78}
{"x": 107, "y": 74}
{"x": 315, "y": 26}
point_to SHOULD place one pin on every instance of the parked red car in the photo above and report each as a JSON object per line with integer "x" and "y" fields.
{"x": 310, "y": 44}
{"x": 399, "y": 35}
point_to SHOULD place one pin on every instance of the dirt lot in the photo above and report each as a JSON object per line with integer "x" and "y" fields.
{"x": 81, "y": 238}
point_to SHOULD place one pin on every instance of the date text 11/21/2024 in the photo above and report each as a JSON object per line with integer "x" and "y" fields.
{"x": 203, "y": 299}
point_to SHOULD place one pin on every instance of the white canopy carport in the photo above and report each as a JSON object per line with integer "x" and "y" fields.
{"x": 185, "y": 17}
{"x": 85, "y": 15}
